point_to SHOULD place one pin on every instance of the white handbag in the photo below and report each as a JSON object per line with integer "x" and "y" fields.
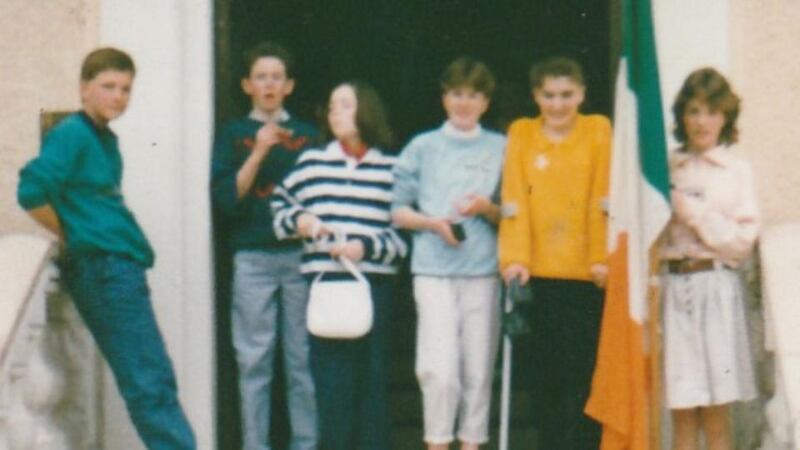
{"x": 340, "y": 309}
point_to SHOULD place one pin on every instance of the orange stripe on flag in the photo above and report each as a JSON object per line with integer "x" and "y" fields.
{"x": 621, "y": 383}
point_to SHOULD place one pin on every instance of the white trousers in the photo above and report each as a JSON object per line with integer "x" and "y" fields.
{"x": 458, "y": 325}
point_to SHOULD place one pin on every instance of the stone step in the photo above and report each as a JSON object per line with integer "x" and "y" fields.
{"x": 410, "y": 438}
{"x": 407, "y": 408}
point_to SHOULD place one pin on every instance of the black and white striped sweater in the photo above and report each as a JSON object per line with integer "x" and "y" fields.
{"x": 352, "y": 197}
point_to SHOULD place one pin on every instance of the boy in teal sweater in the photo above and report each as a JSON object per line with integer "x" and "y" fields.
{"x": 73, "y": 189}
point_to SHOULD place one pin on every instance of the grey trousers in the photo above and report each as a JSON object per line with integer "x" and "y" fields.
{"x": 269, "y": 303}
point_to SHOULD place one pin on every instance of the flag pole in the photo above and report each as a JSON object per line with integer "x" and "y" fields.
{"x": 655, "y": 342}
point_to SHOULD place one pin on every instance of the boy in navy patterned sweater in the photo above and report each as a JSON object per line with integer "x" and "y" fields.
{"x": 252, "y": 155}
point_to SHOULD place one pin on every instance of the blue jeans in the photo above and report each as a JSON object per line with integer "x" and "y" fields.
{"x": 269, "y": 300}
{"x": 111, "y": 294}
{"x": 352, "y": 378}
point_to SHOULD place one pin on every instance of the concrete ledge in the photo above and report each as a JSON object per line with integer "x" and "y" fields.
{"x": 780, "y": 265}
{"x": 22, "y": 258}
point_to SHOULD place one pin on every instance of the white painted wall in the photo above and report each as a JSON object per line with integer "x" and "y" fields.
{"x": 689, "y": 34}
{"x": 765, "y": 68}
{"x": 41, "y": 49}
{"x": 165, "y": 138}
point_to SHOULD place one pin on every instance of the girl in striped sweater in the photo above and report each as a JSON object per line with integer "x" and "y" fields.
{"x": 346, "y": 188}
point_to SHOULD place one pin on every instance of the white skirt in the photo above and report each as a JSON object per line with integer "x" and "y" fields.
{"x": 706, "y": 353}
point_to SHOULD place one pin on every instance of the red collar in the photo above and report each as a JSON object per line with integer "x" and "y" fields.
{"x": 356, "y": 152}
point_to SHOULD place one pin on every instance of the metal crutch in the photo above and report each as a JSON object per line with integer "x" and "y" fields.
{"x": 507, "y": 211}
{"x": 513, "y": 325}
{"x": 505, "y": 392}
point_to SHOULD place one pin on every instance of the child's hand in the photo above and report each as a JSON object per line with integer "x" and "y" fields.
{"x": 352, "y": 250}
{"x": 517, "y": 271}
{"x": 443, "y": 228}
{"x": 688, "y": 206}
{"x": 599, "y": 275}
{"x": 473, "y": 205}
{"x": 310, "y": 226}
{"x": 269, "y": 135}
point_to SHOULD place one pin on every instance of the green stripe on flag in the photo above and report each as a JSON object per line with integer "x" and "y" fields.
{"x": 639, "y": 46}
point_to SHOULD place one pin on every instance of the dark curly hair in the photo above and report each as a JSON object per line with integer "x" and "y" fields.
{"x": 708, "y": 85}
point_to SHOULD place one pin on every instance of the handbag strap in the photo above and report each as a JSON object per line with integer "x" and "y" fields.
{"x": 351, "y": 267}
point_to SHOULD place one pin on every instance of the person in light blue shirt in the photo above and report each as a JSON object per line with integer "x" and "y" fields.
{"x": 446, "y": 190}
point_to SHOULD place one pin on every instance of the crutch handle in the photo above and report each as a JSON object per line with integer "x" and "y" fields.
{"x": 519, "y": 293}
{"x": 513, "y": 323}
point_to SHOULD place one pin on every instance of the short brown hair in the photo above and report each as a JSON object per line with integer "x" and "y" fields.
{"x": 106, "y": 58}
{"x": 557, "y": 66}
{"x": 371, "y": 118}
{"x": 708, "y": 85}
{"x": 468, "y": 72}
{"x": 268, "y": 49}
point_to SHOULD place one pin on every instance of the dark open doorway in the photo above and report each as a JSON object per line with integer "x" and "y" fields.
{"x": 400, "y": 47}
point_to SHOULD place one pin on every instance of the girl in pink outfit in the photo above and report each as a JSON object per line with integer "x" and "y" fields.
{"x": 714, "y": 226}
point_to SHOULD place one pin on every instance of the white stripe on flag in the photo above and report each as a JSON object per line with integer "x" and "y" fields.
{"x": 635, "y": 205}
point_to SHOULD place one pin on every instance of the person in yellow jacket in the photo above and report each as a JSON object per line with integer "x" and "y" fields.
{"x": 555, "y": 178}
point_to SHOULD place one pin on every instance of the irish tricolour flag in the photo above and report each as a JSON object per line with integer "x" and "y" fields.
{"x": 622, "y": 392}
